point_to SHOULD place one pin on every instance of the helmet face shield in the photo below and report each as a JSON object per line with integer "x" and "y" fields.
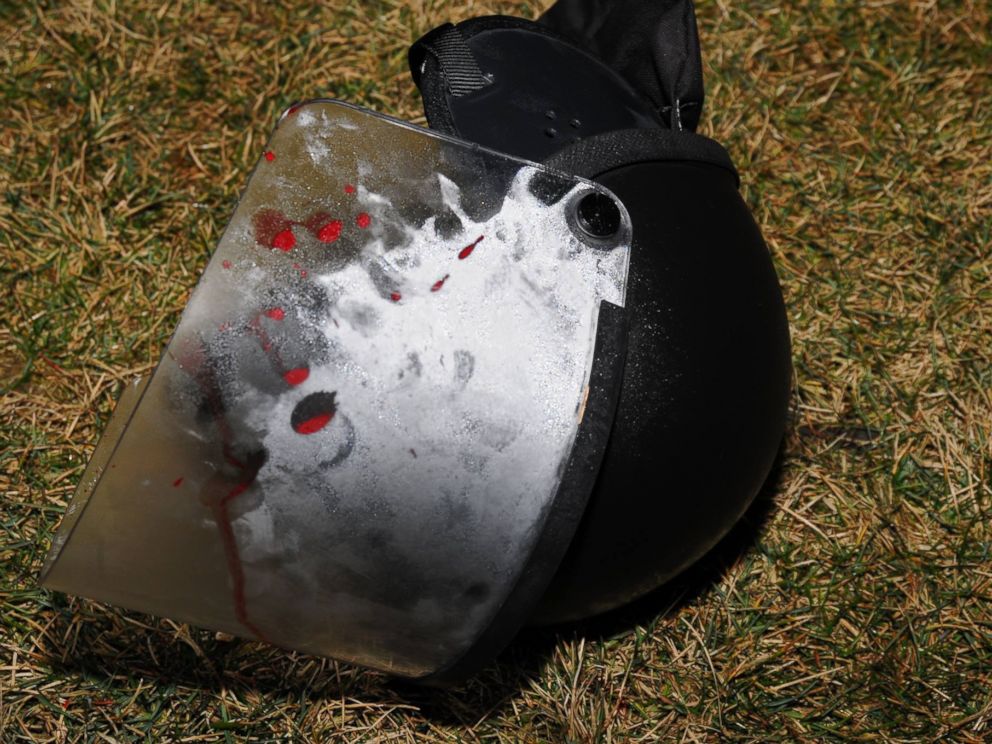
{"x": 370, "y": 408}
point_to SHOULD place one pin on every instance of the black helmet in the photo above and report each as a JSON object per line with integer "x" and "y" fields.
{"x": 435, "y": 385}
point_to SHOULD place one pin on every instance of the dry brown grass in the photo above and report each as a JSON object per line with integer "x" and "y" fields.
{"x": 854, "y": 604}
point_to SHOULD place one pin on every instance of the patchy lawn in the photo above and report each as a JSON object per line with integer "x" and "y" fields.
{"x": 855, "y": 601}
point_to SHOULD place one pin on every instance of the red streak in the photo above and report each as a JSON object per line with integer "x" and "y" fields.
{"x": 270, "y": 156}
{"x": 330, "y": 232}
{"x": 234, "y": 568}
{"x": 177, "y": 482}
{"x": 363, "y": 220}
{"x": 295, "y": 376}
{"x": 207, "y": 381}
{"x": 50, "y": 363}
{"x": 266, "y": 343}
{"x": 284, "y": 240}
{"x": 467, "y": 250}
{"x": 439, "y": 283}
{"x": 315, "y": 424}
{"x": 276, "y": 313}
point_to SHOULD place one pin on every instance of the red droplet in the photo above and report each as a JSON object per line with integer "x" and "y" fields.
{"x": 396, "y": 297}
{"x": 177, "y": 482}
{"x": 315, "y": 424}
{"x": 284, "y": 240}
{"x": 269, "y": 223}
{"x": 226, "y": 264}
{"x": 329, "y": 232}
{"x": 349, "y": 189}
{"x": 269, "y": 155}
{"x": 467, "y": 250}
{"x": 293, "y": 109}
{"x": 276, "y": 313}
{"x": 363, "y": 220}
{"x": 296, "y": 376}
{"x": 439, "y": 283}
{"x": 313, "y": 412}
{"x": 303, "y": 274}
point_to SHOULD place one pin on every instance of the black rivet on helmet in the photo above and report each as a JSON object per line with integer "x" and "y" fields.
{"x": 598, "y": 215}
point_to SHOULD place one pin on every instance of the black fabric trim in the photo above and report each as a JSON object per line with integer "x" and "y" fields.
{"x": 594, "y": 155}
{"x": 454, "y": 59}
{"x": 566, "y": 509}
{"x": 434, "y": 93}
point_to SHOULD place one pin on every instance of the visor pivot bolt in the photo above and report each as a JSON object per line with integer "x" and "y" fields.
{"x": 598, "y": 215}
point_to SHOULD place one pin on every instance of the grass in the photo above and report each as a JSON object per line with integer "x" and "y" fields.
{"x": 855, "y": 601}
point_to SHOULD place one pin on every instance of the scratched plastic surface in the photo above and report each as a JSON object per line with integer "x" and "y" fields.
{"x": 357, "y": 429}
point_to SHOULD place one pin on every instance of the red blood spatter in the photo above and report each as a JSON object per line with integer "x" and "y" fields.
{"x": 467, "y": 250}
{"x": 276, "y": 313}
{"x": 177, "y": 482}
{"x": 235, "y": 570}
{"x": 349, "y": 189}
{"x": 439, "y": 283}
{"x": 268, "y": 223}
{"x": 296, "y": 376}
{"x": 284, "y": 240}
{"x": 225, "y": 263}
{"x": 317, "y": 220}
{"x": 363, "y": 220}
{"x": 217, "y": 492}
{"x": 303, "y": 274}
{"x": 395, "y": 296}
{"x": 314, "y": 424}
{"x": 293, "y": 109}
{"x": 329, "y": 232}
{"x": 270, "y": 156}
{"x": 314, "y": 412}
